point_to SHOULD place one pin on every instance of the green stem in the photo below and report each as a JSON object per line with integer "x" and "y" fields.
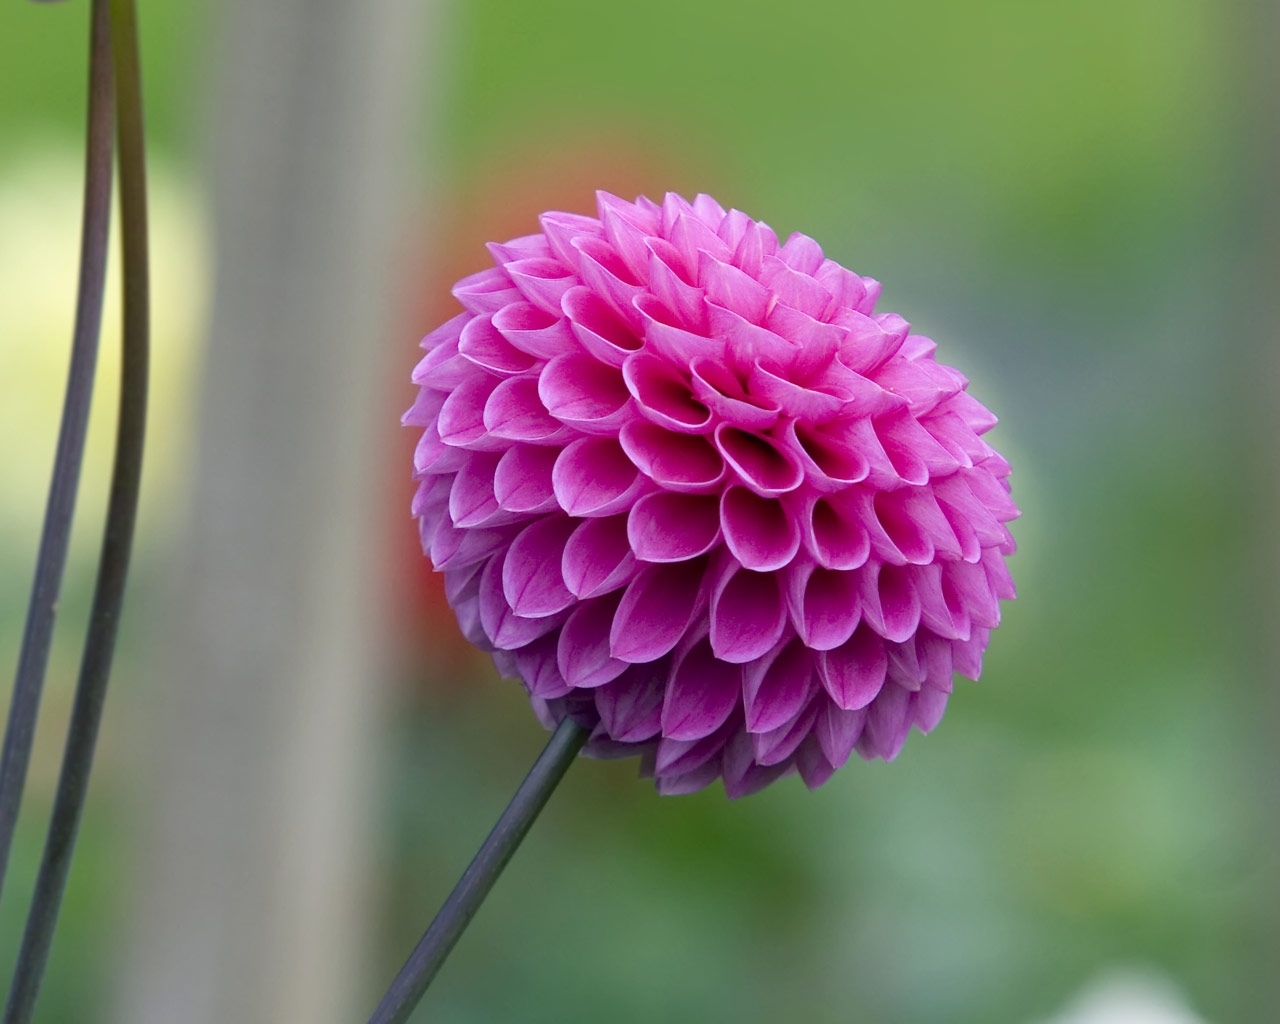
{"x": 37, "y": 637}
{"x": 474, "y": 885}
{"x": 117, "y": 544}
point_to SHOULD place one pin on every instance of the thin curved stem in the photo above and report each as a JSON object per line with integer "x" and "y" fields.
{"x": 117, "y": 543}
{"x": 33, "y": 659}
{"x": 474, "y": 885}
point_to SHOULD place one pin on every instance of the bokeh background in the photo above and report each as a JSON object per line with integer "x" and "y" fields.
{"x": 1070, "y": 198}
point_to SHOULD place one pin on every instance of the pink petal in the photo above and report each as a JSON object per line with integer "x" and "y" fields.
{"x": 796, "y": 288}
{"x": 998, "y": 576}
{"x": 903, "y": 529}
{"x": 643, "y": 213}
{"x": 914, "y": 453}
{"x": 485, "y": 292}
{"x": 966, "y": 655}
{"x": 760, "y": 532}
{"x": 729, "y": 288}
{"x": 979, "y": 418}
{"x": 890, "y": 604}
{"x": 583, "y": 652}
{"x": 801, "y": 253}
{"x": 991, "y": 493}
{"x": 703, "y": 693}
{"x": 601, "y": 332}
{"x": 426, "y": 407}
{"x": 630, "y": 707}
{"x": 681, "y": 757}
{"x": 531, "y": 580}
{"x": 834, "y": 535}
{"x": 869, "y": 342}
{"x": 431, "y": 500}
{"x": 715, "y": 386}
{"x": 522, "y": 481}
{"x": 471, "y": 499}
{"x": 542, "y": 282}
{"x": 837, "y": 731}
{"x": 776, "y": 687}
{"x": 923, "y": 388}
{"x": 562, "y": 228}
{"x": 462, "y": 584}
{"x": 522, "y": 248}
{"x": 776, "y": 745}
{"x": 461, "y": 423}
{"x": 804, "y": 402}
{"x": 854, "y": 672}
{"x": 504, "y": 628}
{"x": 859, "y": 435}
{"x": 537, "y": 666}
{"x": 606, "y": 275}
{"x": 708, "y": 210}
{"x": 927, "y": 707}
{"x": 829, "y": 462}
{"x": 812, "y": 764}
{"x": 657, "y": 607}
{"x": 905, "y": 669}
{"x": 625, "y": 236}
{"x": 433, "y": 456}
{"x": 443, "y": 369}
{"x": 454, "y": 549}
{"x": 689, "y": 782}
{"x": 447, "y": 333}
{"x": 597, "y": 558}
{"x": 663, "y": 394}
{"x": 732, "y": 230}
{"x": 584, "y": 393}
{"x": 672, "y": 527}
{"x": 484, "y": 345}
{"x": 759, "y": 462}
{"x": 678, "y": 462}
{"x": 748, "y": 614}
{"x": 935, "y": 655}
{"x": 667, "y": 335}
{"x": 541, "y": 334}
{"x": 742, "y": 775}
{"x": 963, "y": 509}
{"x": 670, "y": 284}
{"x": 692, "y": 237}
{"x": 749, "y": 344}
{"x": 844, "y": 284}
{"x": 972, "y": 592}
{"x": 514, "y": 412}
{"x": 594, "y": 477}
{"x": 956, "y": 436}
{"x": 824, "y": 605}
{"x": 887, "y": 724}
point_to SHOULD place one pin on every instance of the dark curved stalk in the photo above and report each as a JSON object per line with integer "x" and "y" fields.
{"x": 33, "y": 659}
{"x": 117, "y": 544}
{"x": 430, "y": 953}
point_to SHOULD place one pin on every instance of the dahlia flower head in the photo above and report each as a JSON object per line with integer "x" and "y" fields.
{"x": 690, "y": 489}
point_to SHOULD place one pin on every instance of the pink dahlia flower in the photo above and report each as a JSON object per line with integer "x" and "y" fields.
{"x": 692, "y": 491}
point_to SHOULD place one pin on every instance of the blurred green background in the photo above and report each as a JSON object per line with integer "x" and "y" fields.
{"x": 1048, "y": 191}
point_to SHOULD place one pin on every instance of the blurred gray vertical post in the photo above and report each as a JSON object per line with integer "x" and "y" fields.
{"x": 253, "y": 890}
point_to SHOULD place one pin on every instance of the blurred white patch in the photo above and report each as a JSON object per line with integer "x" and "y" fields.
{"x": 1128, "y": 997}
{"x": 40, "y": 200}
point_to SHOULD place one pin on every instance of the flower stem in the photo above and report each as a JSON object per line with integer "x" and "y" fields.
{"x": 33, "y": 659}
{"x": 430, "y": 953}
{"x": 117, "y": 542}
